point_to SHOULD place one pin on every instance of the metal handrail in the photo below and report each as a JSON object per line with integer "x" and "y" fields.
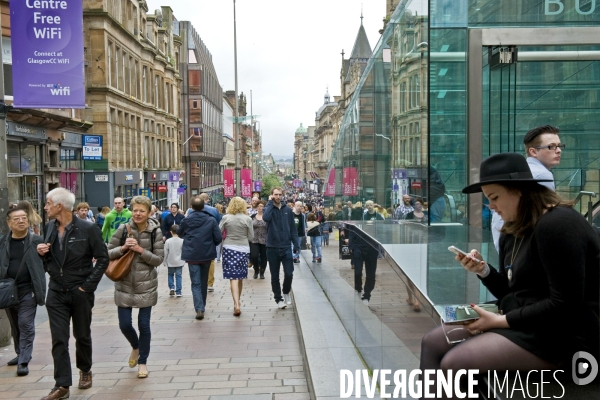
{"x": 591, "y": 195}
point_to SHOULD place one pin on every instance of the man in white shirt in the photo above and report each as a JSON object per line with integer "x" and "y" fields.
{"x": 544, "y": 150}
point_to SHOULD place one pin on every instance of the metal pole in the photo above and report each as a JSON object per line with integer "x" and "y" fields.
{"x": 4, "y": 323}
{"x": 238, "y": 180}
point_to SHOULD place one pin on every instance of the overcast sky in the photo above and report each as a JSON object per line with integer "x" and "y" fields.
{"x": 288, "y": 53}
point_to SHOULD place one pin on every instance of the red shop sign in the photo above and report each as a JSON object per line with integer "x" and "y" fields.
{"x": 162, "y": 188}
{"x": 414, "y": 185}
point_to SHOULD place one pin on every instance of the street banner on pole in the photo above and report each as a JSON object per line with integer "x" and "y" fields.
{"x": 330, "y": 188}
{"x": 257, "y": 186}
{"x": 246, "y": 178}
{"x": 47, "y": 54}
{"x": 228, "y": 182}
{"x": 350, "y": 180}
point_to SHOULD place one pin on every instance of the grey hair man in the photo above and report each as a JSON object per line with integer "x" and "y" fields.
{"x": 69, "y": 248}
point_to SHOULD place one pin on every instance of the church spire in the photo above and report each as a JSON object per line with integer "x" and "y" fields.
{"x": 361, "y": 14}
{"x": 327, "y": 95}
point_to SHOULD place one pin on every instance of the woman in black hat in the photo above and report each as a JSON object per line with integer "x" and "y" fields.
{"x": 546, "y": 281}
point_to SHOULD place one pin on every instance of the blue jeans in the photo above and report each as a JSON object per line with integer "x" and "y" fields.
{"x": 325, "y": 238}
{"x": 315, "y": 246}
{"x": 280, "y": 256}
{"x": 437, "y": 209}
{"x": 199, "y": 278}
{"x": 177, "y": 272}
{"x": 296, "y": 255}
{"x": 143, "y": 341}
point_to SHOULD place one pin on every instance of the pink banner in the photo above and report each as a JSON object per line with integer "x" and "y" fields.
{"x": 350, "y": 181}
{"x": 246, "y": 177}
{"x": 330, "y": 187}
{"x": 228, "y": 183}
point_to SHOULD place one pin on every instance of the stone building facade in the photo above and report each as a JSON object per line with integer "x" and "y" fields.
{"x": 202, "y": 116}
{"x": 133, "y": 82}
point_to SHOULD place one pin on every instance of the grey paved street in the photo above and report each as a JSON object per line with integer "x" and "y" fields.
{"x": 255, "y": 356}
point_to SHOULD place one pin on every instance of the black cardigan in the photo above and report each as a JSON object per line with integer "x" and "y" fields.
{"x": 555, "y": 284}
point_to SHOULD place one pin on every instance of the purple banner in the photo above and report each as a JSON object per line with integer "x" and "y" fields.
{"x": 47, "y": 54}
{"x": 257, "y": 186}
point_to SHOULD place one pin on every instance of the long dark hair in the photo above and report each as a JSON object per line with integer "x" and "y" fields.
{"x": 534, "y": 202}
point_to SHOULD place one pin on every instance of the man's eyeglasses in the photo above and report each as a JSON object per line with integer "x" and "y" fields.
{"x": 552, "y": 147}
{"x": 17, "y": 219}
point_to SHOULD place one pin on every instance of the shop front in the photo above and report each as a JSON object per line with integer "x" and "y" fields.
{"x": 25, "y": 160}
{"x": 157, "y": 182}
{"x": 71, "y": 162}
{"x": 127, "y": 184}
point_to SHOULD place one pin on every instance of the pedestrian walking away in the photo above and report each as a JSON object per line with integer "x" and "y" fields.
{"x": 314, "y": 231}
{"x": 201, "y": 235}
{"x": 281, "y": 231}
{"x": 258, "y": 246}
{"x": 20, "y": 261}
{"x": 217, "y": 215}
{"x": 236, "y": 249}
{"x": 173, "y": 262}
{"x": 73, "y": 281}
{"x": 139, "y": 288}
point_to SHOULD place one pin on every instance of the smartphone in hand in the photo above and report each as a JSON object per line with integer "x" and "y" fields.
{"x": 458, "y": 251}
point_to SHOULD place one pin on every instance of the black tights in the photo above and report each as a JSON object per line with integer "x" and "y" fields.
{"x": 485, "y": 352}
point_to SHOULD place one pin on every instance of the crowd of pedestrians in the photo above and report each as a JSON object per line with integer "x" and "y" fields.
{"x": 76, "y": 246}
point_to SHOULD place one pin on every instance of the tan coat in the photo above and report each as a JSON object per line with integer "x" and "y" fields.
{"x": 139, "y": 288}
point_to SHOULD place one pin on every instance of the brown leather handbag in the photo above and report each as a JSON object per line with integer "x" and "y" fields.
{"x": 119, "y": 268}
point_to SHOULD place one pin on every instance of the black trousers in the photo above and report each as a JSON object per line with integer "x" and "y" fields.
{"x": 368, "y": 256}
{"x": 62, "y": 308}
{"x": 258, "y": 256}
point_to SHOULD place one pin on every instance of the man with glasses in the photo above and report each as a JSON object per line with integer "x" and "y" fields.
{"x": 19, "y": 260}
{"x": 543, "y": 150}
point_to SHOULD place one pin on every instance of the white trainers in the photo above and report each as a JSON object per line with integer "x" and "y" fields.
{"x": 365, "y": 302}
{"x": 287, "y": 298}
{"x": 172, "y": 292}
{"x": 281, "y": 304}
{"x": 211, "y": 289}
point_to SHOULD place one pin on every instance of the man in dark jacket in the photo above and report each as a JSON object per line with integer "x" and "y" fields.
{"x": 201, "y": 236}
{"x": 19, "y": 261}
{"x": 172, "y": 218}
{"x": 70, "y": 245}
{"x": 281, "y": 232}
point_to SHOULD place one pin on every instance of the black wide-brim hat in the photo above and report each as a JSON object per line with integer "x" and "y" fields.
{"x": 503, "y": 168}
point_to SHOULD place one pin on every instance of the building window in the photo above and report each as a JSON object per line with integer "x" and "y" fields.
{"x": 136, "y": 83}
{"x": 194, "y": 81}
{"x": 156, "y": 92}
{"x": 145, "y": 84}
{"x": 111, "y": 69}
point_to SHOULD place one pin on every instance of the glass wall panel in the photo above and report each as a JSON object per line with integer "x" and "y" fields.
{"x": 404, "y": 131}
